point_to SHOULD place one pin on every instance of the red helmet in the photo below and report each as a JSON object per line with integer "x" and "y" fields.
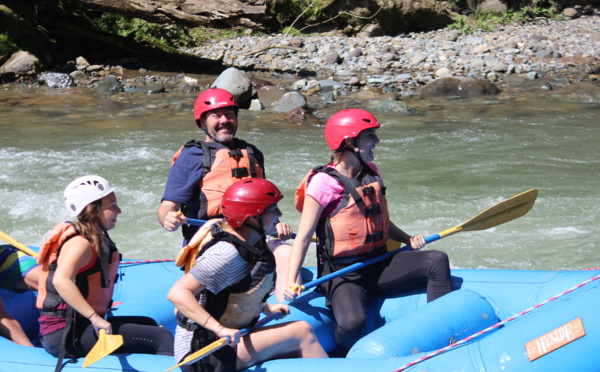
{"x": 213, "y": 98}
{"x": 347, "y": 124}
{"x": 249, "y": 197}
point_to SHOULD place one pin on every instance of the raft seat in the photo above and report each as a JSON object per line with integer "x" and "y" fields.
{"x": 448, "y": 319}
{"x": 22, "y": 308}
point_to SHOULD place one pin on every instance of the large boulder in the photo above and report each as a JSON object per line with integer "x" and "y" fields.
{"x": 459, "y": 87}
{"x": 21, "y": 63}
{"x": 237, "y": 83}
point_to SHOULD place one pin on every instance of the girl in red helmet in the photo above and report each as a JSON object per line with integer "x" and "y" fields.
{"x": 228, "y": 283}
{"x": 344, "y": 202}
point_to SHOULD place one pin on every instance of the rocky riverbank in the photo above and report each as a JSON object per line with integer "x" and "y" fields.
{"x": 542, "y": 55}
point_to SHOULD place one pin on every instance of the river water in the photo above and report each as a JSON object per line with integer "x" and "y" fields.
{"x": 443, "y": 164}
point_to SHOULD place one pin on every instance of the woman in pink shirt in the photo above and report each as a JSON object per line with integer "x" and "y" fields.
{"x": 344, "y": 202}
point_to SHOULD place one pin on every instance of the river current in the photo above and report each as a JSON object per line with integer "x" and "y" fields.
{"x": 442, "y": 164}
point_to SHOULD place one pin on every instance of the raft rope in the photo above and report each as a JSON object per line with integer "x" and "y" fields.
{"x": 144, "y": 262}
{"x": 467, "y": 339}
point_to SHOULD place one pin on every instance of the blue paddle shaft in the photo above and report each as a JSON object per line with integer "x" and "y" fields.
{"x": 359, "y": 265}
{"x": 243, "y": 332}
{"x": 192, "y": 221}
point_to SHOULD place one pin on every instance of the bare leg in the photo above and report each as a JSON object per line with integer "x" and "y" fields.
{"x": 11, "y": 329}
{"x": 276, "y": 341}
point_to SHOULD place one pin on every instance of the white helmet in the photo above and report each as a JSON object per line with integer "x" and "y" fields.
{"x": 85, "y": 190}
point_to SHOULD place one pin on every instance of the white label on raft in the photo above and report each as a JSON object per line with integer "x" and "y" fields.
{"x": 555, "y": 339}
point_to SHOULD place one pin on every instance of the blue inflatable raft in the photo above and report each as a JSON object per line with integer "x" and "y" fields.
{"x": 495, "y": 320}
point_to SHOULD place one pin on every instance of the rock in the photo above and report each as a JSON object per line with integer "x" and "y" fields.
{"x": 256, "y": 105}
{"x": 109, "y": 85}
{"x": 81, "y": 63}
{"x": 571, "y": 13}
{"x": 269, "y": 95}
{"x": 237, "y": 83}
{"x": 56, "y": 80}
{"x": 371, "y": 30}
{"x": 332, "y": 58}
{"x": 290, "y": 101}
{"x": 397, "y": 107}
{"x": 301, "y": 116}
{"x": 443, "y": 72}
{"x": 21, "y": 63}
{"x": 459, "y": 87}
{"x": 583, "y": 92}
{"x": 529, "y": 84}
{"x": 418, "y": 58}
{"x": 388, "y": 57}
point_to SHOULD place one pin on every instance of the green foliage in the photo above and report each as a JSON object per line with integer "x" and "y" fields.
{"x": 17, "y": 32}
{"x": 290, "y": 12}
{"x": 6, "y": 45}
{"x": 166, "y": 37}
{"x": 490, "y": 21}
{"x": 290, "y": 31}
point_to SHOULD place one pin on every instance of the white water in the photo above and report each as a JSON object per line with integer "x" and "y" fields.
{"x": 442, "y": 165}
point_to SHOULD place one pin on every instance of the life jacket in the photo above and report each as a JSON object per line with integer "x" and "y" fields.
{"x": 359, "y": 224}
{"x": 239, "y": 305}
{"x": 95, "y": 281}
{"x": 222, "y": 166}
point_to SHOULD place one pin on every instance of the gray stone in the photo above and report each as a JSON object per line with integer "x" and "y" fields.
{"x": 109, "y": 85}
{"x": 21, "y": 62}
{"x": 237, "y": 83}
{"x": 290, "y": 101}
{"x": 56, "y": 80}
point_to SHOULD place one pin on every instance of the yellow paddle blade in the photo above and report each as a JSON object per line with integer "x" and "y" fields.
{"x": 500, "y": 213}
{"x": 201, "y": 353}
{"x": 105, "y": 345}
{"x": 15, "y": 243}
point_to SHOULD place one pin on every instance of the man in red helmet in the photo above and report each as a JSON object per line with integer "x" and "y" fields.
{"x": 202, "y": 170}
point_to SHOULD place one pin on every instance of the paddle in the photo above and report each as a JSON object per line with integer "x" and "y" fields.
{"x": 216, "y": 345}
{"x": 195, "y": 222}
{"x": 105, "y": 345}
{"x": 15, "y": 243}
{"x": 500, "y": 213}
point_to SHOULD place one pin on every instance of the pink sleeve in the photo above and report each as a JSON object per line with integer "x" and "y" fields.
{"x": 324, "y": 189}
{"x": 375, "y": 168}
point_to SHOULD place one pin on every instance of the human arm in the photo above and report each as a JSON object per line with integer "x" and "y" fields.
{"x": 395, "y": 233}
{"x": 10, "y": 328}
{"x": 308, "y": 223}
{"x": 169, "y": 216}
{"x": 75, "y": 254}
{"x": 284, "y": 231}
{"x": 183, "y": 296}
{"x": 272, "y": 308}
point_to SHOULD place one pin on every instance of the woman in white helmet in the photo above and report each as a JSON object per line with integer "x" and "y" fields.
{"x": 79, "y": 269}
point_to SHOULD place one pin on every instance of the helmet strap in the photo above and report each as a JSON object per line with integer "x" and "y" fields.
{"x": 260, "y": 229}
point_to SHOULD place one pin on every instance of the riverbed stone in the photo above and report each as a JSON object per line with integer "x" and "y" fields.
{"x": 21, "y": 62}
{"x": 56, "y": 80}
{"x": 237, "y": 83}
{"x": 459, "y": 87}
{"x": 109, "y": 85}
{"x": 270, "y": 95}
{"x": 290, "y": 101}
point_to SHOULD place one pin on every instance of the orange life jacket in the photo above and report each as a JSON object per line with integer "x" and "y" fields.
{"x": 222, "y": 167}
{"x": 95, "y": 281}
{"x": 359, "y": 224}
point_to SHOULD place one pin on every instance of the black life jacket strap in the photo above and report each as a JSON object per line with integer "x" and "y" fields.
{"x": 70, "y": 313}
